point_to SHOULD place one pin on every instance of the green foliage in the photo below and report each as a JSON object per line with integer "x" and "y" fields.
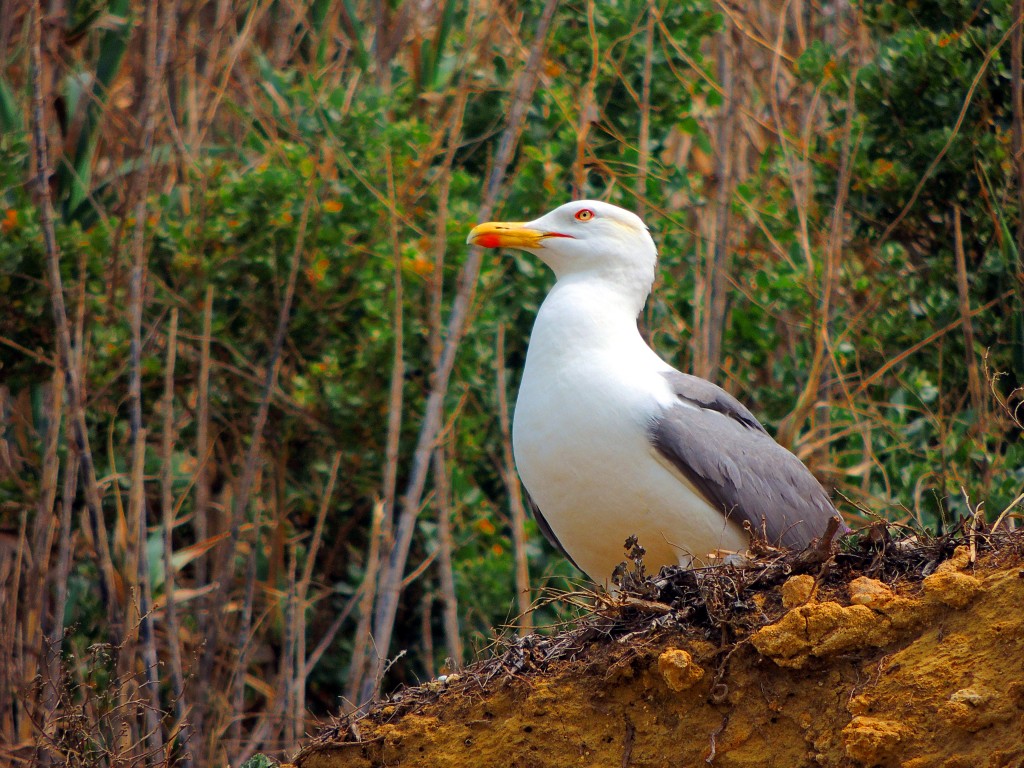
{"x": 916, "y": 162}
{"x": 355, "y": 146}
{"x": 259, "y": 760}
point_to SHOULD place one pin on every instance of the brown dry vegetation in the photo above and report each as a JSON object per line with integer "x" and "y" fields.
{"x": 844, "y": 672}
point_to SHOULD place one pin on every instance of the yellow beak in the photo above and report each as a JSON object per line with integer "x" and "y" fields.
{"x": 508, "y": 234}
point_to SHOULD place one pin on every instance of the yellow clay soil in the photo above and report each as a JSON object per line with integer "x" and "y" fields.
{"x": 929, "y": 674}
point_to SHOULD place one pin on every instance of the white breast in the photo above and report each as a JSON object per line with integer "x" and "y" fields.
{"x": 589, "y": 389}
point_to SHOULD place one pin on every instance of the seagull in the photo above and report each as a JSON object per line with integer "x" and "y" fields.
{"x": 610, "y": 440}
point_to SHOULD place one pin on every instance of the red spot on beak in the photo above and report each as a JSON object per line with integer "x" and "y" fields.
{"x": 489, "y": 241}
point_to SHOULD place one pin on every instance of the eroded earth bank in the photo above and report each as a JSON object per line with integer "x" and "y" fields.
{"x": 902, "y": 669}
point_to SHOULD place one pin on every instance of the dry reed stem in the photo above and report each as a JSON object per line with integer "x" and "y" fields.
{"x": 20, "y": 650}
{"x": 964, "y": 296}
{"x": 131, "y": 598}
{"x": 1017, "y": 109}
{"x": 397, "y": 384}
{"x": 387, "y": 604}
{"x": 744, "y": 24}
{"x": 202, "y": 485}
{"x": 524, "y": 597}
{"x": 830, "y": 284}
{"x": 445, "y": 565}
{"x": 256, "y": 11}
{"x": 73, "y": 386}
{"x": 301, "y": 672}
{"x": 588, "y": 113}
{"x": 442, "y": 495}
{"x": 47, "y": 509}
{"x": 157, "y": 35}
{"x": 168, "y": 525}
{"x": 362, "y": 645}
{"x": 205, "y": 564}
{"x": 134, "y": 572}
{"x": 710, "y": 308}
{"x": 644, "y": 141}
{"x": 800, "y": 190}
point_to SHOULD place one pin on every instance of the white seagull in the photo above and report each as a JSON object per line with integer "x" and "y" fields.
{"x": 610, "y": 440}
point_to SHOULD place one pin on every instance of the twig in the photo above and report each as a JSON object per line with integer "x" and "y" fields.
{"x": 818, "y": 388}
{"x": 713, "y": 739}
{"x": 776, "y": 48}
{"x": 332, "y": 631}
{"x": 318, "y": 529}
{"x": 1006, "y": 511}
{"x": 395, "y": 399}
{"x": 799, "y": 191}
{"x": 32, "y": 355}
{"x": 126, "y": 725}
{"x": 291, "y": 663}
{"x": 397, "y": 385}
{"x": 442, "y": 495}
{"x": 588, "y": 113}
{"x": 256, "y": 11}
{"x": 427, "y": 633}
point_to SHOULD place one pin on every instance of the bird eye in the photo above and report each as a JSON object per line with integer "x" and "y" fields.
{"x": 584, "y": 214}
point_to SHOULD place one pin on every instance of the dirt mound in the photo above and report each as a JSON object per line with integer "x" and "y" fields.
{"x": 865, "y": 662}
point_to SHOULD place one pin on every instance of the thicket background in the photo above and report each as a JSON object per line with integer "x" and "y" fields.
{"x": 255, "y": 390}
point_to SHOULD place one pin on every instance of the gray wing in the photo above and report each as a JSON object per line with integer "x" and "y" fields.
{"x": 722, "y": 449}
{"x": 703, "y": 394}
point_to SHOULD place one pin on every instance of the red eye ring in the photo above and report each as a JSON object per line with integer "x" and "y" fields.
{"x": 584, "y": 214}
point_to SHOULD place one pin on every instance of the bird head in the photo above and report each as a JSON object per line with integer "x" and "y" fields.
{"x": 585, "y": 237}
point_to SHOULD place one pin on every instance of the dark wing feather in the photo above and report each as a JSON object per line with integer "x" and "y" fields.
{"x": 722, "y": 449}
{"x": 704, "y": 394}
{"x": 545, "y": 528}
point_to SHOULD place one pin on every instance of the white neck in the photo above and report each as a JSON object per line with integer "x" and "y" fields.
{"x": 584, "y": 313}
{"x": 623, "y": 289}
